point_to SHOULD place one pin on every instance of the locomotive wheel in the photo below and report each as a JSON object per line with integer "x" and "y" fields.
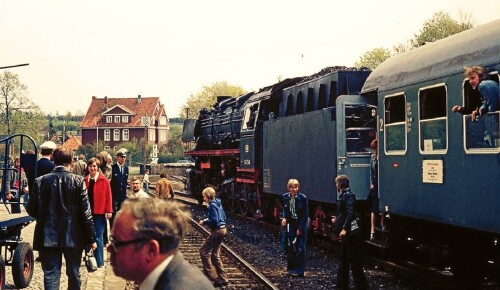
{"x": 244, "y": 207}
{"x": 22, "y": 265}
{"x": 2, "y": 273}
{"x": 245, "y": 199}
{"x": 231, "y": 197}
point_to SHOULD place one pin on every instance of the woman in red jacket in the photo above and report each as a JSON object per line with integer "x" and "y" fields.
{"x": 99, "y": 192}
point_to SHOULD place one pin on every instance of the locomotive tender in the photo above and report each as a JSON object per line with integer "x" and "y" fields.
{"x": 439, "y": 172}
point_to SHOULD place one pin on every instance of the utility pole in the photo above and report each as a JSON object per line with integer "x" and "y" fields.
{"x": 145, "y": 121}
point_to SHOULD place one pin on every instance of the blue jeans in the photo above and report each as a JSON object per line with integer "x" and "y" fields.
{"x": 296, "y": 259}
{"x": 99, "y": 224}
{"x": 51, "y": 266}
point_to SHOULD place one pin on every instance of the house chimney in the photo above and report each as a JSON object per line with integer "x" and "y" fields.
{"x": 94, "y": 97}
{"x": 139, "y": 99}
{"x": 106, "y": 102}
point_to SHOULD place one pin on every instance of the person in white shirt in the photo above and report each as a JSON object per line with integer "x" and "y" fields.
{"x": 146, "y": 181}
{"x": 137, "y": 191}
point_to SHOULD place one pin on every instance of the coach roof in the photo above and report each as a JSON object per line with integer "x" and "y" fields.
{"x": 476, "y": 46}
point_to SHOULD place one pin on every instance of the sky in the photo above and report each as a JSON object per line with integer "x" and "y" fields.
{"x": 171, "y": 49}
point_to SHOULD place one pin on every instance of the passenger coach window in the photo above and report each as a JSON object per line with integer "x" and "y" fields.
{"x": 395, "y": 125}
{"x": 482, "y": 135}
{"x": 432, "y": 122}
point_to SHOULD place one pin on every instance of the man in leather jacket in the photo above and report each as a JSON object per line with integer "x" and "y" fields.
{"x": 64, "y": 225}
{"x": 350, "y": 256}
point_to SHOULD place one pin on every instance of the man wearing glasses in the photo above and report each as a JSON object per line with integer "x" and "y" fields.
{"x": 144, "y": 246}
{"x": 118, "y": 182}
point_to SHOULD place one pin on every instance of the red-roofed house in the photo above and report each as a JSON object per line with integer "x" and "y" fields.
{"x": 73, "y": 143}
{"x": 112, "y": 121}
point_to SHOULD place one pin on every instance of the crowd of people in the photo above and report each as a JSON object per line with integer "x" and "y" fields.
{"x": 72, "y": 203}
{"x": 148, "y": 230}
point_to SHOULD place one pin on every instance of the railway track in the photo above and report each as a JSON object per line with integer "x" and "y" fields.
{"x": 241, "y": 274}
{"x": 423, "y": 277}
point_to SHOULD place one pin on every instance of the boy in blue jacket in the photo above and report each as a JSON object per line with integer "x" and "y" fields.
{"x": 216, "y": 221}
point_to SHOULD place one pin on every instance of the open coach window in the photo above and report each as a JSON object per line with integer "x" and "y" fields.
{"x": 394, "y": 124}
{"x": 360, "y": 122}
{"x": 432, "y": 122}
{"x": 481, "y": 135}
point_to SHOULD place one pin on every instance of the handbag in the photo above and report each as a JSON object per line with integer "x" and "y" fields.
{"x": 90, "y": 261}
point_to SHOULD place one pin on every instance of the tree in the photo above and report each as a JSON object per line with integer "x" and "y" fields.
{"x": 18, "y": 114}
{"x": 373, "y": 58}
{"x": 14, "y": 100}
{"x": 439, "y": 26}
{"x": 88, "y": 150}
{"x": 207, "y": 97}
{"x": 175, "y": 146}
{"x": 32, "y": 123}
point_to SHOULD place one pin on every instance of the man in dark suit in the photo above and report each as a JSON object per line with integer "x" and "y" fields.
{"x": 45, "y": 164}
{"x": 119, "y": 177}
{"x": 144, "y": 246}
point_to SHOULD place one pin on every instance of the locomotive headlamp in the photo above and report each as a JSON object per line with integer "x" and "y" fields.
{"x": 374, "y": 112}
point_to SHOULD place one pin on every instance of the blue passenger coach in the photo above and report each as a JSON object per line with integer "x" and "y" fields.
{"x": 439, "y": 175}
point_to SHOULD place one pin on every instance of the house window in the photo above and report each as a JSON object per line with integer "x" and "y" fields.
{"x": 433, "y": 119}
{"x": 163, "y": 135}
{"x": 125, "y": 134}
{"x": 117, "y": 119}
{"x": 395, "y": 124}
{"x": 124, "y": 119}
{"x": 109, "y": 119}
{"x": 152, "y": 136}
{"x": 107, "y": 135}
{"x": 114, "y": 148}
{"x": 106, "y": 148}
{"x": 116, "y": 135}
{"x": 163, "y": 120}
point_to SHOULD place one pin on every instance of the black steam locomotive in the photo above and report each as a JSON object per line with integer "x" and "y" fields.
{"x": 439, "y": 171}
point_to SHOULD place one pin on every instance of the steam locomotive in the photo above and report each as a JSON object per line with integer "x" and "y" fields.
{"x": 439, "y": 171}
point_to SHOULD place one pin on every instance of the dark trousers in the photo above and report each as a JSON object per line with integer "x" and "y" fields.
{"x": 51, "y": 266}
{"x": 210, "y": 256}
{"x": 350, "y": 258}
{"x": 116, "y": 207}
{"x": 296, "y": 253}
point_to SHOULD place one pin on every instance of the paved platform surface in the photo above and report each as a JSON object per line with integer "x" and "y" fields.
{"x": 105, "y": 278}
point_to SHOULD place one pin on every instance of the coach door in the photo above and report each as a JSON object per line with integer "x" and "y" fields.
{"x": 356, "y": 128}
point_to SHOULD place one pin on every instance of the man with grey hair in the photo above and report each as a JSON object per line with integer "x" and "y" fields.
{"x": 144, "y": 246}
